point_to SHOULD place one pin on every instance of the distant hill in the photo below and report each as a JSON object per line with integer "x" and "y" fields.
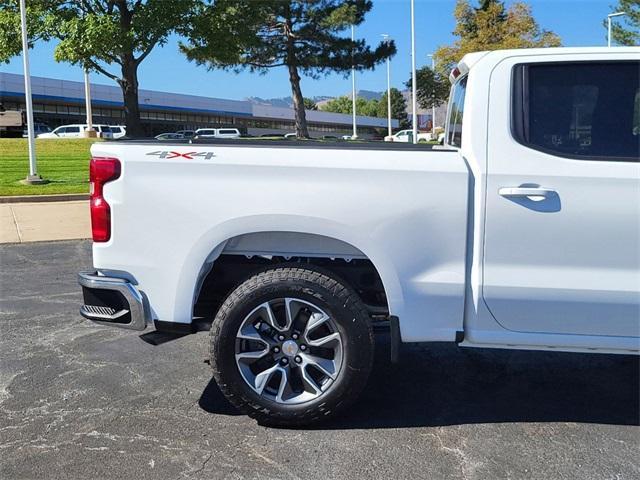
{"x": 287, "y": 102}
{"x": 367, "y": 95}
{"x": 283, "y": 102}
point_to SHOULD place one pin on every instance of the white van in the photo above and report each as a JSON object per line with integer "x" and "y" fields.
{"x": 77, "y": 131}
{"x": 217, "y": 133}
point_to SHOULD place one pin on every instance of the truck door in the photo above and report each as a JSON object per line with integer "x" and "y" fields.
{"x": 562, "y": 226}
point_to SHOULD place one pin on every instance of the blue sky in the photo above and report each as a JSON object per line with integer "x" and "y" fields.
{"x": 578, "y": 22}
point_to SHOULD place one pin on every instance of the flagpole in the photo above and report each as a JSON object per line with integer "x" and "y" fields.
{"x": 414, "y": 114}
{"x": 353, "y": 87}
{"x": 33, "y": 178}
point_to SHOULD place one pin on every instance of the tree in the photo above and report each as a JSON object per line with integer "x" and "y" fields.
{"x": 626, "y": 30}
{"x": 310, "y": 104}
{"x": 10, "y": 35}
{"x": 492, "y": 27}
{"x": 432, "y": 88}
{"x": 398, "y": 107}
{"x": 97, "y": 34}
{"x": 305, "y": 36}
{"x": 344, "y": 104}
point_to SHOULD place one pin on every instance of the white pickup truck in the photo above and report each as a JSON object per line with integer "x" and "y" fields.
{"x": 522, "y": 232}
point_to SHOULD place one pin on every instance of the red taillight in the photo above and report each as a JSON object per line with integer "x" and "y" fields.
{"x": 101, "y": 171}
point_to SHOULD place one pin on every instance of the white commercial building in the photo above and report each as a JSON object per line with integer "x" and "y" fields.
{"x": 58, "y": 102}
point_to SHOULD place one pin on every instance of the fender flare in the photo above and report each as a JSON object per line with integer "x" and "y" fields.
{"x": 211, "y": 244}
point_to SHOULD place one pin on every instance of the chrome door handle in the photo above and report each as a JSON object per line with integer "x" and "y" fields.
{"x": 532, "y": 193}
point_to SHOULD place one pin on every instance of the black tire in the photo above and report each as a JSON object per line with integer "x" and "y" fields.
{"x": 337, "y": 300}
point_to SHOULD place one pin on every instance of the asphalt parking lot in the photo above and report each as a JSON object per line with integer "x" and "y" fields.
{"x": 83, "y": 401}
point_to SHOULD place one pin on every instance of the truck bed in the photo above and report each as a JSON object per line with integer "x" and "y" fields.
{"x": 177, "y": 206}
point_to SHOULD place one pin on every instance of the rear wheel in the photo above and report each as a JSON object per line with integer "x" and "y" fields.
{"x": 291, "y": 346}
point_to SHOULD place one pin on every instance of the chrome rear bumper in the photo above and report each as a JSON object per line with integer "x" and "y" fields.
{"x": 113, "y": 301}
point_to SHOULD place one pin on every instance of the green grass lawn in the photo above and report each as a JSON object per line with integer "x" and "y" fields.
{"x": 64, "y": 162}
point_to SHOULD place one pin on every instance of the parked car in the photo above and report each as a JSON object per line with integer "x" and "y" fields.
{"x": 77, "y": 131}
{"x": 217, "y": 133}
{"x": 38, "y": 128}
{"x": 186, "y": 133}
{"x": 522, "y": 232}
{"x": 169, "y": 136}
{"x": 118, "y": 131}
{"x": 406, "y": 136}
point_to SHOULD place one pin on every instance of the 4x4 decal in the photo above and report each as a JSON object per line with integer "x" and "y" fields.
{"x": 187, "y": 155}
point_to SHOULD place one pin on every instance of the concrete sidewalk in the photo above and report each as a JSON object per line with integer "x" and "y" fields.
{"x": 38, "y": 222}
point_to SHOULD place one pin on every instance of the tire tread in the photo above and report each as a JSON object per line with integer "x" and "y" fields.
{"x": 265, "y": 278}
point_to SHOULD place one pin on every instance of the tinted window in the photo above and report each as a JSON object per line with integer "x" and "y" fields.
{"x": 73, "y": 130}
{"x": 223, "y": 131}
{"x": 579, "y": 110}
{"x": 454, "y": 132}
{"x": 60, "y": 130}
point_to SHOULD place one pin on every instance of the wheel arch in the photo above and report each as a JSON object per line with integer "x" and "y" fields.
{"x": 283, "y": 236}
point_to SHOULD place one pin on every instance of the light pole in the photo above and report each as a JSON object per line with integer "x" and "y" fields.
{"x": 433, "y": 105}
{"x": 89, "y": 132}
{"x": 414, "y": 114}
{"x": 386, "y": 39}
{"x": 353, "y": 85}
{"x": 609, "y": 17}
{"x": 33, "y": 178}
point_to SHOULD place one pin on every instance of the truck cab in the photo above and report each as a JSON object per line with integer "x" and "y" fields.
{"x": 557, "y": 186}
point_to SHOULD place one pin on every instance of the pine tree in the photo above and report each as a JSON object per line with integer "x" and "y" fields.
{"x": 626, "y": 29}
{"x": 304, "y": 36}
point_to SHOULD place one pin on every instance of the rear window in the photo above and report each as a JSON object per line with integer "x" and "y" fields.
{"x": 454, "y": 124}
{"x": 583, "y": 110}
{"x": 227, "y": 131}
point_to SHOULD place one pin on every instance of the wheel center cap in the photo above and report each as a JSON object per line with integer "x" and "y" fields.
{"x": 290, "y": 348}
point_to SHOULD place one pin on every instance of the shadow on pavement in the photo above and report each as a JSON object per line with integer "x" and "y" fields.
{"x": 438, "y": 385}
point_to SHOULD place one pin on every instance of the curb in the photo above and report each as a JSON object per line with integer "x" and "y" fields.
{"x": 65, "y": 197}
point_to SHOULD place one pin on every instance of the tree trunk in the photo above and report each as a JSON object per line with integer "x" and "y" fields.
{"x": 129, "y": 85}
{"x": 298, "y": 103}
